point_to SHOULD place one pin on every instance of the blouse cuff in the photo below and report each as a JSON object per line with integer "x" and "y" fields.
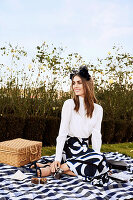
{"x": 96, "y": 140}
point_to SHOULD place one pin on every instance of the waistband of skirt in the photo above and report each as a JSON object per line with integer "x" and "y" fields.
{"x": 73, "y": 137}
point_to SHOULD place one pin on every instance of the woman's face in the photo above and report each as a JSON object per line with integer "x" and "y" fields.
{"x": 78, "y": 86}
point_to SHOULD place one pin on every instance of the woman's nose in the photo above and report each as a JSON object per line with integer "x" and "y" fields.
{"x": 76, "y": 85}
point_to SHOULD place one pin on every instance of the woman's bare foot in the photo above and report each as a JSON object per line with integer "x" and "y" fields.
{"x": 43, "y": 172}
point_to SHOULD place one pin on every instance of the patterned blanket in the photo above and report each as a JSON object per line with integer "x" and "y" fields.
{"x": 67, "y": 187}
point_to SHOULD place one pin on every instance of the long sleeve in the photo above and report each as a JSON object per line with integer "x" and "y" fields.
{"x": 64, "y": 128}
{"x": 96, "y": 132}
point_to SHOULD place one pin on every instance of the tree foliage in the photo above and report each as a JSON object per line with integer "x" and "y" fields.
{"x": 35, "y": 85}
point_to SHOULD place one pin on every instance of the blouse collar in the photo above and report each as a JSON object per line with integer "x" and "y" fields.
{"x": 82, "y": 110}
{"x": 81, "y": 100}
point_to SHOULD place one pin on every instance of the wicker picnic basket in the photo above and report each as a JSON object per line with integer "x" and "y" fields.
{"x": 19, "y": 152}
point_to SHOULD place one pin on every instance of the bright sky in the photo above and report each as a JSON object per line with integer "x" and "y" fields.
{"x": 88, "y": 27}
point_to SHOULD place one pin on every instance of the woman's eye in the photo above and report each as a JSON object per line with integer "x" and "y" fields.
{"x": 77, "y": 83}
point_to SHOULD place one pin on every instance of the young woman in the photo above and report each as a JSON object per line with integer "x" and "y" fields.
{"x": 81, "y": 118}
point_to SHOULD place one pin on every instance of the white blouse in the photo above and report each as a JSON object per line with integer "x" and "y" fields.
{"x": 77, "y": 124}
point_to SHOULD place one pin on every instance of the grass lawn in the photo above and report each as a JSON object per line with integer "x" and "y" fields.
{"x": 124, "y": 148}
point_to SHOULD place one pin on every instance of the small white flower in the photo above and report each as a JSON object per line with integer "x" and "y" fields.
{"x": 41, "y": 67}
{"x": 111, "y": 81}
{"x": 29, "y": 66}
{"x": 8, "y": 69}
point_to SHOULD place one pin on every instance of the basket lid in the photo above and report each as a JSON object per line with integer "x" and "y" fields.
{"x": 18, "y": 143}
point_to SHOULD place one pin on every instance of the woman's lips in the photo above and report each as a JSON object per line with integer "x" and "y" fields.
{"x": 76, "y": 90}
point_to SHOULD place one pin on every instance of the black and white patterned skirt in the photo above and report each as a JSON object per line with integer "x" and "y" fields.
{"x": 85, "y": 162}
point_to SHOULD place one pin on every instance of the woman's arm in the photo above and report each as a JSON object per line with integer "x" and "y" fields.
{"x": 96, "y": 132}
{"x": 64, "y": 128}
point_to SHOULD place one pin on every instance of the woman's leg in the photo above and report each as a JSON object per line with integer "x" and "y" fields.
{"x": 39, "y": 165}
{"x": 47, "y": 171}
{"x": 66, "y": 170}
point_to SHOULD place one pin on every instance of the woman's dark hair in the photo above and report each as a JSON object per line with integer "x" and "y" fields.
{"x": 89, "y": 96}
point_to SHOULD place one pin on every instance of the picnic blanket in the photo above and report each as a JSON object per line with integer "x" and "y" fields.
{"x": 67, "y": 187}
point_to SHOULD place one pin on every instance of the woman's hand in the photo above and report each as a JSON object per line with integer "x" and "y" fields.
{"x": 54, "y": 166}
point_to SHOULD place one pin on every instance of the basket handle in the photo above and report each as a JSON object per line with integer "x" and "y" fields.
{"x": 32, "y": 152}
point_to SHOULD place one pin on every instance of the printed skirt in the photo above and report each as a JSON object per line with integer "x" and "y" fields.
{"x": 85, "y": 162}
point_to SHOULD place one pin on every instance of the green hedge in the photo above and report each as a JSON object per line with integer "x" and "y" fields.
{"x": 117, "y": 131}
{"x": 11, "y": 127}
{"x": 34, "y": 128}
{"x": 46, "y": 129}
{"x": 51, "y": 131}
